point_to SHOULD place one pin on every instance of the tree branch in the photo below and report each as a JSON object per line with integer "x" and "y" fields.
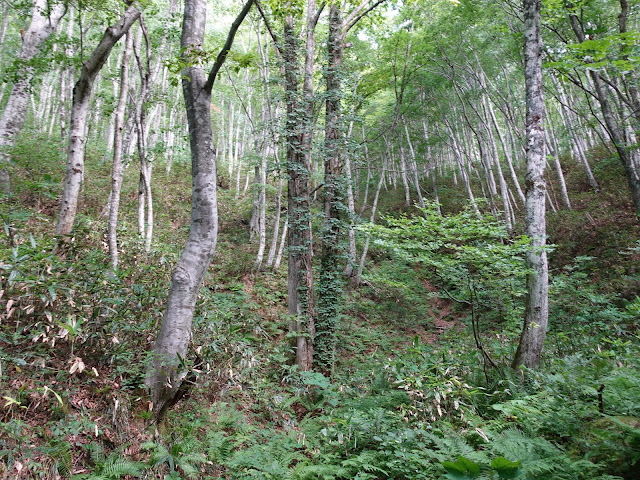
{"x": 357, "y": 14}
{"x": 273, "y": 35}
{"x": 222, "y": 56}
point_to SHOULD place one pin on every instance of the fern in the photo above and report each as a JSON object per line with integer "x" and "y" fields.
{"x": 218, "y": 448}
{"x": 96, "y": 453}
{"x": 367, "y": 461}
{"x": 114, "y": 467}
{"x": 60, "y": 453}
{"x": 540, "y": 458}
{"x": 304, "y": 471}
{"x": 271, "y": 459}
{"x": 183, "y": 454}
{"x": 451, "y": 445}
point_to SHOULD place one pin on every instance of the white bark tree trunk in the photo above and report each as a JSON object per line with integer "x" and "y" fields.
{"x": 118, "y": 167}
{"x": 81, "y": 96}
{"x": 173, "y": 338}
{"x": 262, "y": 210}
{"x": 12, "y": 120}
{"x": 537, "y": 304}
{"x": 283, "y": 241}
{"x": 365, "y": 249}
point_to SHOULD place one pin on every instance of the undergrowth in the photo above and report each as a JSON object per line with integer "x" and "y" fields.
{"x": 411, "y": 397}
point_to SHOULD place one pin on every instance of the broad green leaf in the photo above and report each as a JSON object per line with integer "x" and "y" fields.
{"x": 505, "y": 468}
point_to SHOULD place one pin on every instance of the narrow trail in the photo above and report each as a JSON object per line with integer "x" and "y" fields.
{"x": 438, "y": 323}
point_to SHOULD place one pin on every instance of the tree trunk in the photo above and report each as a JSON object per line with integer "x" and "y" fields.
{"x": 413, "y": 165}
{"x": 537, "y": 303}
{"x": 351, "y": 208}
{"x": 276, "y": 224}
{"x": 283, "y": 241}
{"x": 146, "y": 165}
{"x": 431, "y": 167}
{"x": 556, "y": 162}
{"x": 330, "y": 278}
{"x": 81, "y": 96}
{"x": 262, "y": 210}
{"x": 462, "y": 168}
{"x": 172, "y": 342}
{"x": 365, "y": 249}
{"x": 298, "y": 139}
{"x": 12, "y": 121}
{"x": 567, "y": 117}
{"x": 118, "y": 167}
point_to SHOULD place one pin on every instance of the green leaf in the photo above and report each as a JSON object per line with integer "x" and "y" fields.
{"x": 462, "y": 469}
{"x": 505, "y": 468}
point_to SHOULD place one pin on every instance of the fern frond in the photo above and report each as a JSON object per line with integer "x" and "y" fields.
{"x": 367, "y": 461}
{"x": 218, "y": 447}
{"x": 312, "y": 472}
{"x": 96, "y": 453}
{"x": 60, "y": 453}
{"x": 117, "y": 466}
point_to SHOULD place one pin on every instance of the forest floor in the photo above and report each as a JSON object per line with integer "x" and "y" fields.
{"x": 73, "y": 345}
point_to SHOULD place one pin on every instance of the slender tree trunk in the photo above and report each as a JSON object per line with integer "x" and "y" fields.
{"x": 81, "y": 96}
{"x": 403, "y": 175}
{"x": 366, "y": 159}
{"x": 567, "y": 116}
{"x": 141, "y": 205}
{"x": 329, "y": 280}
{"x": 239, "y": 151}
{"x": 230, "y": 150}
{"x": 431, "y": 167}
{"x": 283, "y": 241}
{"x": 146, "y": 164}
{"x": 351, "y": 208}
{"x": 170, "y": 138}
{"x": 462, "y": 168}
{"x": 299, "y": 135}
{"x": 365, "y": 249}
{"x": 276, "y": 223}
{"x": 495, "y": 160}
{"x": 12, "y": 120}
{"x": 118, "y": 167}
{"x": 414, "y": 165}
{"x": 537, "y": 303}
{"x": 262, "y": 200}
{"x": 5, "y": 24}
{"x": 556, "y": 162}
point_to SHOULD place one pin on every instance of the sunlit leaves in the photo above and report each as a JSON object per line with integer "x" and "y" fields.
{"x": 619, "y": 51}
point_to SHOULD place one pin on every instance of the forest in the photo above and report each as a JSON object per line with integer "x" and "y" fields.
{"x": 320, "y": 239}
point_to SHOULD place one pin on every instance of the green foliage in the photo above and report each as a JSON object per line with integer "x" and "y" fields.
{"x": 472, "y": 255}
{"x": 111, "y": 467}
{"x": 461, "y": 469}
{"x": 182, "y": 454}
{"x": 435, "y": 384}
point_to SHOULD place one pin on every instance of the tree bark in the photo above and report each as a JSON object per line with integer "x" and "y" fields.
{"x": 165, "y": 379}
{"x": 12, "y": 120}
{"x": 79, "y": 109}
{"x": 329, "y": 280}
{"x": 118, "y": 167}
{"x": 298, "y": 140}
{"x": 537, "y": 303}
